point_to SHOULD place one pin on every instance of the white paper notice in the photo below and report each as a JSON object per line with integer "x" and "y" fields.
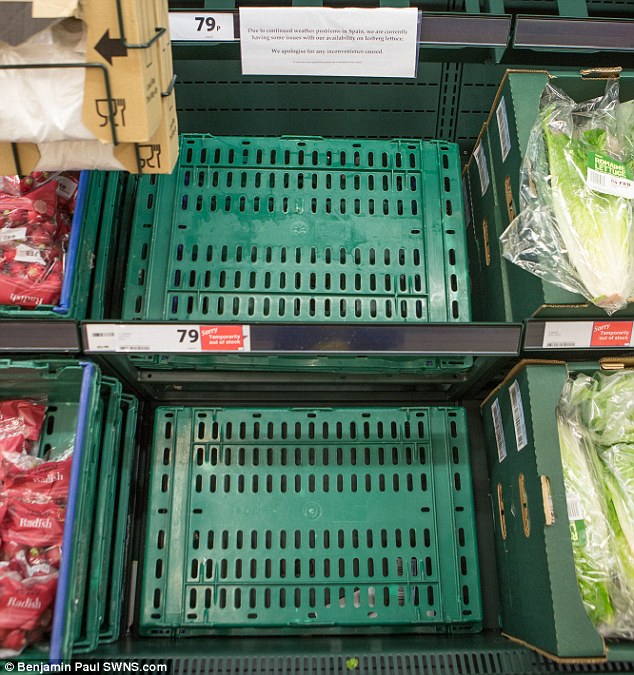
{"x": 378, "y": 42}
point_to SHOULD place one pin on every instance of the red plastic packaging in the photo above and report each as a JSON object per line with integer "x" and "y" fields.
{"x": 25, "y": 417}
{"x": 39, "y": 524}
{"x": 23, "y": 602}
{"x": 48, "y": 480}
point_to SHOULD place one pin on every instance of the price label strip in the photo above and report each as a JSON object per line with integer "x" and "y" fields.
{"x": 202, "y": 27}
{"x": 167, "y": 338}
{"x": 587, "y": 334}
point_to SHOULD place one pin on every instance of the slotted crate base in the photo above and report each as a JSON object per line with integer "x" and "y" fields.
{"x": 286, "y": 229}
{"x": 312, "y": 519}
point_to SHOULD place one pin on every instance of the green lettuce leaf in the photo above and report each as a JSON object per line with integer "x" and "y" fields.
{"x": 590, "y": 533}
{"x": 595, "y": 227}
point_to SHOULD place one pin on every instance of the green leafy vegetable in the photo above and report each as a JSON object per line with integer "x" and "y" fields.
{"x": 595, "y": 227}
{"x": 591, "y": 532}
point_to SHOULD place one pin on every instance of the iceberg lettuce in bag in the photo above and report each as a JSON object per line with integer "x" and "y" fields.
{"x": 575, "y": 226}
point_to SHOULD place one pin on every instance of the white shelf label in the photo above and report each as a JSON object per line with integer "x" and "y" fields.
{"x": 585, "y": 334}
{"x": 503, "y": 129}
{"x": 519, "y": 423}
{"x": 201, "y": 27}
{"x": 379, "y": 42}
{"x": 498, "y": 428}
{"x": 167, "y": 338}
{"x": 483, "y": 169}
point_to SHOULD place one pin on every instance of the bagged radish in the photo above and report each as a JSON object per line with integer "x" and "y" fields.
{"x": 31, "y": 523}
{"x": 22, "y": 416}
{"x": 23, "y": 602}
{"x": 35, "y": 218}
{"x": 41, "y": 481}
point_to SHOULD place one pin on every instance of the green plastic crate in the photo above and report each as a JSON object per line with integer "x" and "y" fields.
{"x": 71, "y": 391}
{"x": 309, "y": 519}
{"x": 86, "y": 627}
{"x": 114, "y": 589}
{"x": 288, "y": 230}
{"x": 114, "y": 187}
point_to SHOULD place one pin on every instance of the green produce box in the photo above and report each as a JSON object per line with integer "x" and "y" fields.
{"x": 489, "y": 285}
{"x": 540, "y": 602}
{"x": 508, "y": 127}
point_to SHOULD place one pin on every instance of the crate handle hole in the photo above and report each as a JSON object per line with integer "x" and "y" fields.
{"x": 372, "y": 615}
{"x": 312, "y": 615}
{"x": 253, "y": 615}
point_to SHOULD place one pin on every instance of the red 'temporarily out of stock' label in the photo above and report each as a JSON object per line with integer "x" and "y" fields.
{"x": 611, "y": 333}
{"x": 222, "y": 338}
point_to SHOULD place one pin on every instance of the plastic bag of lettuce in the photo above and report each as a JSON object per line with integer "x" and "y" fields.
{"x": 575, "y": 227}
{"x": 596, "y": 433}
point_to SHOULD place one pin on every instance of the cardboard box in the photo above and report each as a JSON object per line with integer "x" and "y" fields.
{"x": 505, "y": 138}
{"x": 134, "y": 74}
{"x": 158, "y": 155}
{"x": 540, "y": 602}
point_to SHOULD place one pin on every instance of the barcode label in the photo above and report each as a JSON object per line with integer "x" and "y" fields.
{"x": 503, "y": 129}
{"x": 519, "y": 423}
{"x": 575, "y": 510}
{"x": 609, "y": 176}
{"x": 498, "y": 428}
{"x": 12, "y": 234}
{"x": 27, "y": 254}
{"x": 602, "y": 182}
{"x": 560, "y": 344}
{"x": 103, "y": 334}
{"x": 483, "y": 169}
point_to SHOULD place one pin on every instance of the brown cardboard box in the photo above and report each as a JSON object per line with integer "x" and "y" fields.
{"x": 158, "y": 155}
{"x": 134, "y": 74}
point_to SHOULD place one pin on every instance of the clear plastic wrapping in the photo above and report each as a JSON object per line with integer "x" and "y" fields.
{"x": 596, "y": 420}
{"x": 575, "y": 226}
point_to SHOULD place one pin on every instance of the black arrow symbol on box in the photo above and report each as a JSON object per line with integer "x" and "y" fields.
{"x": 109, "y": 47}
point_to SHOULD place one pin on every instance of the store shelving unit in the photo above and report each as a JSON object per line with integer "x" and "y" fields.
{"x": 465, "y": 48}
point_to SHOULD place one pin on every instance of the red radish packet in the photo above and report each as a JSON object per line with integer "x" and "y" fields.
{"x": 39, "y": 524}
{"x": 23, "y": 602}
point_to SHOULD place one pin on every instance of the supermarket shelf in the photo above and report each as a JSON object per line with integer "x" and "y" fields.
{"x": 562, "y": 339}
{"x": 561, "y": 33}
{"x": 318, "y": 339}
{"x": 39, "y": 336}
{"x": 486, "y": 654}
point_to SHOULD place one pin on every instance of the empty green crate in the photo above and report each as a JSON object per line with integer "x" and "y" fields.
{"x": 309, "y": 519}
{"x": 308, "y": 230}
{"x": 116, "y": 553}
{"x": 86, "y": 627}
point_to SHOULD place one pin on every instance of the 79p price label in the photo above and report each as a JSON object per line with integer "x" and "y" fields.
{"x": 202, "y": 27}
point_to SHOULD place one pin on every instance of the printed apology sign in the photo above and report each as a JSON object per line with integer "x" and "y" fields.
{"x": 378, "y": 42}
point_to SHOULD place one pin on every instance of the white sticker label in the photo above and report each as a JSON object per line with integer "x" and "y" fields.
{"x": 498, "y": 428}
{"x": 503, "y": 129}
{"x": 559, "y": 334}
{"x": 28, "y": 254}
{"x": 202, "y": 27}
{"x": 167, "y": 338}
{"x": 611, "y": 185}
{"x": 8, "y": 234}
{"x": 380, "y": 42}
{"x": 483, "y": 169}
{"x": 573, "y": 503}
{"x": 66, "y": 187}
{"x": 519, "y": 423}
